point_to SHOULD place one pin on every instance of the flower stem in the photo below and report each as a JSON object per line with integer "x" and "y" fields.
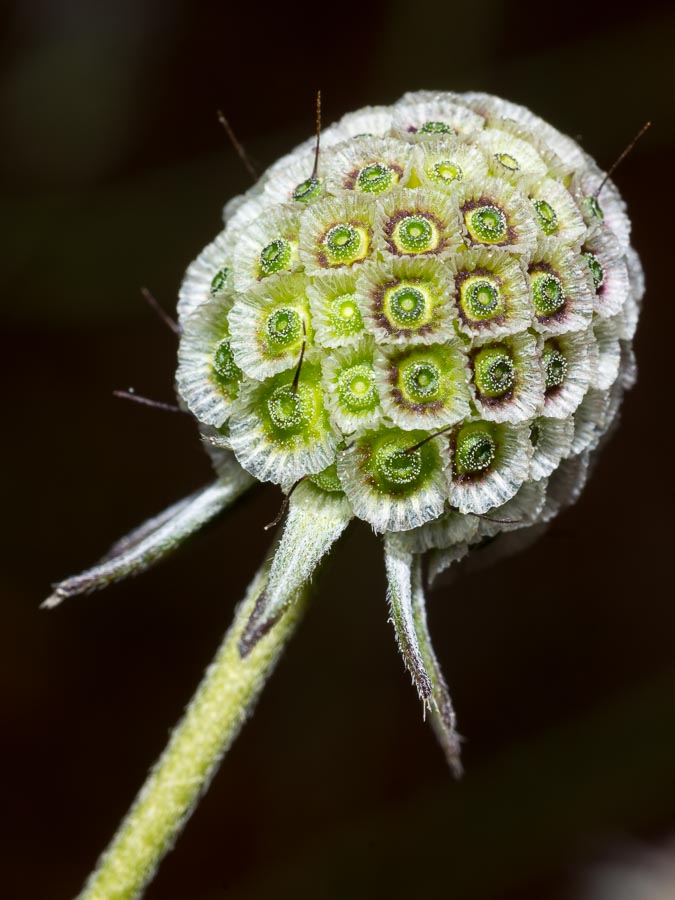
{"x": 226, "y": 695}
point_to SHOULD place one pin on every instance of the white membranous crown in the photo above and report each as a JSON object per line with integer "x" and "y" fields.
{"x": 427, "y": 326}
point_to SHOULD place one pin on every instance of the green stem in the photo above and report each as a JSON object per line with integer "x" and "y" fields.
{"x": 226, "y": 695}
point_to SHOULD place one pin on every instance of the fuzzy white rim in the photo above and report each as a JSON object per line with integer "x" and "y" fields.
{"x": 348, "y": 159}
{"x": 202, "y": 333}
{"x": 419, "y": 201}
{"x": 333, "y": 365}
{"x": 429, "y": 273}
{"x": 526, "y": 399}
{"x": 494, "y": 142}
{"x": 484, "y": 491}
{"x": 572, "y": 270}
{"x": 513, "y": 203}
{"x": 565, "y": 485}
{"x": 591, "y": 420}
{"x": 247, "y": 325}
{"x": 610, "y": 297}
{"x": 494, "y": 107}
{"x": 554, "y": 443}
{"x": 195, "y": 288}
{"x": 580, "y": 351}
{"x": 585, "y": 184}
{"x": 279, "y": 222}
{"x": 370, "y": 120}
{"x": 450, "y": 529}
{"x": 268, "y": 460}
{"x": 413, "y": 111}
{"x": 521, "y": 511}
{"x": 322, "y": 215}
{"x": 513, "y": 284}
{"x": 571, "y": 227}
{"x": 608, "y": 362}
{"x": 389, "y": 512}
{"x": 454, "y": 407}
{"x": 466, "y": 156}
{"x": 321, "y": 292}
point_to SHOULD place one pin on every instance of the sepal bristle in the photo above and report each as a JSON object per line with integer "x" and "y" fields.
{"x": 316, "y": 519}
{"x": 407, "y": 613}
{"x": 442, "y": 715}
{"x": 154, "y": 540}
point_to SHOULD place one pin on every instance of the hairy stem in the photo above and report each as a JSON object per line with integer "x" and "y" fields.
{"x": 225, "y": 697}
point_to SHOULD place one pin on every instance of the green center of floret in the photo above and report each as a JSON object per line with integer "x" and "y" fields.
{"x": 597, "y": 271}
{"x": 475, "y": 448}
{"x": 375, "y": 178}
{"x": 548, "y": 292}
{"x": 397, "y": 468}
{"x": 290, "y": 411}
{"x": 546, "y": 216}
{"x": 275, "y": 257}
{"x": 357, "y": 390}
{"x": 225, "y": 369}
{"x": 509, "y": 162}
{"x": 327, "y": 480}
{"x": 416, "y": 234}
{"x": 555, "y": 365}
{"x": 420, "y": 381}
{"x": 486, "y": 224}
{"x": 345, "y": 243}
{"x": 593, "y": 208}
{"x": 444, "y": 171}
{"x": 219, "y": 281}
{"x": 480, "y": 298}
{"x": 307, "y": 190}
{"x": 284, "y": 328}
{"x": 435, "y": 128}
{"x": 344, "y": 316}
{"x": 494, "y": 371}
{"x": 406, "y": 307}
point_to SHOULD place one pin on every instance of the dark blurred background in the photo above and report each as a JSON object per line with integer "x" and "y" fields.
{"x": 114, "y": 172}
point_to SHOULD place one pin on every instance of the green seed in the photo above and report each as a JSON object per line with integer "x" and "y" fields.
{"x": 225, "y": 369}
{"x": 275, "y": 257}
{"x": 344, "y": 243}
{"x": 415, "y": 234}
{"x": 344, "y": 316}
{"x": 555, "y": 365}
{"x": 357, "y": 390}
{"x": 435, "y": 128}
{"x": 219, "y": 281}
{"x": 327, "y": 480}
{"x": 283, "y": 328}
{"x": 593, "y": 208}
{"x": 480, "y": 298}
{"x": 548, "y": 293}
{"x": 307, "y": 190}
{"x": 509, "y": 162}
{"x": 290, "y": 411}
{"x": 486, "y": 224}
{"x": 546, "y": 216}
{"x": 494, "y": 371}
{"x": 406, "y": 307}
{"x": 444, "y": 172}
{"x": 475, "y": 449}
{"x": 375, "y": 178}
{"x": 596, "y": 269}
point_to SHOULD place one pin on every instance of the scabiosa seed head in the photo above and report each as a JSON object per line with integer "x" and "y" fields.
{"x": 444, "y": 263}
{"x": 426, "y": 325}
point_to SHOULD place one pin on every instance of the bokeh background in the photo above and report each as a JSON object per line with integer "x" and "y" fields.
{"x": 114, "y": 171}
